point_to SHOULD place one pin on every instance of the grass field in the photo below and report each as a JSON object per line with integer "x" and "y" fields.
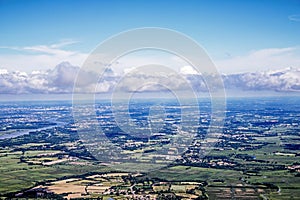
{"x": 236, "y": 184}
{"x": 16, "y": 175}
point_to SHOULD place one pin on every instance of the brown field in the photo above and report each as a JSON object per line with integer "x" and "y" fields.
{"x": 97, "y": 189}
{"x": 186, "y": 196}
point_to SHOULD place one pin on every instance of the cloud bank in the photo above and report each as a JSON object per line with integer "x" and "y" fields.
{"x": 60, "y": 80}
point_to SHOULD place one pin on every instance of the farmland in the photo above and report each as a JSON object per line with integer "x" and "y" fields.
{"x": 257, "y": 156}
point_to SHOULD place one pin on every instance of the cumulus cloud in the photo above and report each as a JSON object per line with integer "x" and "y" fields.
{"x": 58, "y": 80}
{"x": 61, "y": 80}
{"x": 279, "y": 80}
{"x": 188, "y": 70}
{"x": 144, "y": 82}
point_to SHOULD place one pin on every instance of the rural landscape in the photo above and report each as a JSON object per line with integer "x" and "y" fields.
{"x": 257, "y": 156}
{"x": 150, "y": 100}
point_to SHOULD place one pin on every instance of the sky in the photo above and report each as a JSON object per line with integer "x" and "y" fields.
{"x": 239, "y": 36}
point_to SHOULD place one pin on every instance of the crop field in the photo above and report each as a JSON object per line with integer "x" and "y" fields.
{"x": 257, "y": 157}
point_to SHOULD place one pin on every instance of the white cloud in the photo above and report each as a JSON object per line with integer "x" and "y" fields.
{"x": 145, "y": 82}
{"x": 26, "y": 71}
{"x": 260, "y": 60}
{"x": 65, "y": 42}
{"x": 3, "y": 71}
{"x": 61, "y": 80}
{"x": 188, "y": 70}
{"x": 39, "y": 57}
{"x": 285, "y": 80}
{"x": 136, "y": 59}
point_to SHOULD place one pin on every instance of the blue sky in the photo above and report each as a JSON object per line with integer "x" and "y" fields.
{"x": 226, "y": 29}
